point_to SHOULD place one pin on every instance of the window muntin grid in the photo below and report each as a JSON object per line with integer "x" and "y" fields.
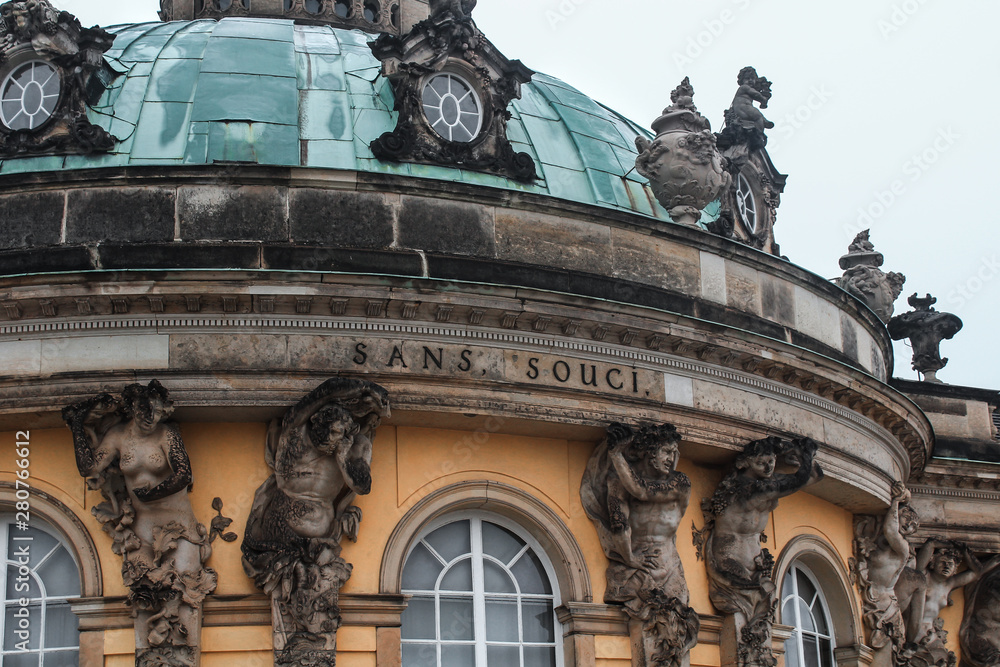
{"x": 481, "y": 596}
{"x": 804, "y": 607}
{"x": 54, "y": 579}
{"x": 746, "y": 203}
{"x": 29, "y": 95}
{"x": 452, "y": 107}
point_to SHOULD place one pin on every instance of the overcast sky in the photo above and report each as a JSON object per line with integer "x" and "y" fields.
{"x": 883, "y": 111}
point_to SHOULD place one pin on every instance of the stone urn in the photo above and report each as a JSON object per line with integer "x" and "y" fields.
{"x": 865, "y": 280}
{"x": 926, "y": 328}
{"x": 683, "y": 164}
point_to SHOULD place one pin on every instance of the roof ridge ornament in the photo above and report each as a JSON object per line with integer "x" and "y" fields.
{"x": 452, "y": 89}
{"x": 48, "y": 63}
{"x": 864, "y": 279}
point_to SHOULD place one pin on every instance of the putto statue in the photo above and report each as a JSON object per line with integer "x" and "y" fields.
{"x": 457, "y": 8}
{"x": 864, "y": 279}
{"x": 925, "y": 590}
{"x": 683, "y": 165}
{"x": 926, "y": 328}
{"x": 126, "y": 448}
{"x": 636, "y": 498}
{"x": 882, "y": 553}
{"x": 744, "y": 123}
{"x": 980, "y": 632}
{"x": 321, "y": 454}
{"x": 739, "y": 569}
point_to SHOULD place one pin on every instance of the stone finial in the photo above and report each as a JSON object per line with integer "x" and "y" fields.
{"x": 863, "y": 278}
{"x": 926, "y": 328}
{"x": 683, "y": 164}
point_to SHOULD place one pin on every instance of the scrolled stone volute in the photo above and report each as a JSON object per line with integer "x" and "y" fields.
{"x": 636, "y": 498}
{"x": 126, "y": 447}
{"x": 739, "y": 569}
{"x": 865, "y": 280}
{"x": 926, "y": 328}
{"x": 682, "y": 163}
{"x": 321, "y": 453}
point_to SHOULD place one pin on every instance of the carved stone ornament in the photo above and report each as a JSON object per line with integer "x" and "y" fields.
{"x": 320, "y": 452}
{"x": 864, "y": 279}
{"x": 749, "y": 206}
{"x": 881, "y": 554}
{"x": 126, "y": 448}
{"x": 739, "y": 569}
{"x": 49, "y": 64}
{"x": 924, "y": 590}
{"x": 980, "y": 633}
{"x": 683, "y": 165}
{"x": 452, "y": 89}
{"x": 636, "y": 499}
{"x": 926, "y": 328}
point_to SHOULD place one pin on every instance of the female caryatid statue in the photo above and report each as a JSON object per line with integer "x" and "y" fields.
{"x": 321, "y": 453}
{"x": 125, "y": 448}
{"x": 739, "y": 569}
{"x": 636, "y": 498}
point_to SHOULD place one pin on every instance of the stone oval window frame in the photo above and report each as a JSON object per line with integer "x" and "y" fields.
{"x": 432, "y": 117}
{"x": 8, "y": 73}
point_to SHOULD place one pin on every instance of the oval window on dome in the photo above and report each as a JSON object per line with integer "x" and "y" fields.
{"x": 452, "y": 107}
{"x": 29, "y": 95}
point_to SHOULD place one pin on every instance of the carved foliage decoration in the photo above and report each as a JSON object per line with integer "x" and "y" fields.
{"x": 636, "y": 498}
{"x": 126, "y": 448}
{"x": 739, "y": 569}
{"x": 320, "y": 452}
{"x": 449, "y": 43}
{"x": 48, "y": 63}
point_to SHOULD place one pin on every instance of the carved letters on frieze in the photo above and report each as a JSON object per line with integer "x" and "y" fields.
{"x": 126, "y": 448}
{"x": 48, "y": 62}
{"x": 320, "y": 453}
{"x": 636, "y": 498}
{"x": 739, "y": 569}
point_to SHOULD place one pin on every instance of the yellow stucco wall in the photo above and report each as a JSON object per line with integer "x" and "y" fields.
{"x": 408, "y": 464}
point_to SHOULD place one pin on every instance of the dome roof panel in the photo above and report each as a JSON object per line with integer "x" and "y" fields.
{"x": 270, "y": 92}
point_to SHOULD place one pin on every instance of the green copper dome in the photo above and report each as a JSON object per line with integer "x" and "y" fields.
{"x": 268, "y": 91}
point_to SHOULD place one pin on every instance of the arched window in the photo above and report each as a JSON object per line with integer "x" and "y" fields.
{"x": 39, "y": 579}
{"x": 804, "y": 607}
{"x": 483, "y": 594}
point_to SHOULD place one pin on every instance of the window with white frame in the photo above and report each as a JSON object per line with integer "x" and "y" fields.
{"x": 483, "y": 596}
{"x": 40, "y": 572}
{"x": 804, "y": 607}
